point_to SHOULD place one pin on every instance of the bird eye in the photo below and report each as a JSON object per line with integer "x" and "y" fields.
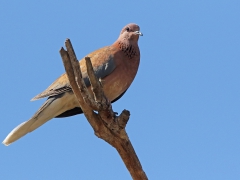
{"x": 128, "y": 29}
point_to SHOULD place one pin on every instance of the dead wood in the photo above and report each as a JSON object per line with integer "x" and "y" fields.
{"x": 99, "y": 113}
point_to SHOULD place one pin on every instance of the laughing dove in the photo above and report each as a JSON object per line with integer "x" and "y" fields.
{"x": 116, "y": 65}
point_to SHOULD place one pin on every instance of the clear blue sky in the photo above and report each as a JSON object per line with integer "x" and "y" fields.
{"x": 184, "y": 102}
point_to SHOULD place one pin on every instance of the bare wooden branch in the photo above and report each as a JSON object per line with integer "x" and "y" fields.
{"x": 95, "y": 84}
{"x": 105, "y": 123}
{"x": 78, "y": 76}
{"x": 105, "y": 108}
{"x": 88, "y": 112}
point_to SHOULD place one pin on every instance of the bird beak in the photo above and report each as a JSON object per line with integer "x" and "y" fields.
{"x": 139, "y": 33}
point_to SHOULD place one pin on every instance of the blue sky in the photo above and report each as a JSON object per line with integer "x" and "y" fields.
{"x": 184, "y": 102}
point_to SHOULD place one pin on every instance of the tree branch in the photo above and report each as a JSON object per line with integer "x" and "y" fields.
{"x": 105, "y": 123}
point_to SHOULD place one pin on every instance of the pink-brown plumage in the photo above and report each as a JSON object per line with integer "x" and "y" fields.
{"x": 116, "y": 65}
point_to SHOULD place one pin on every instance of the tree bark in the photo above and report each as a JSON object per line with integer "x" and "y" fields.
{"x": 105, "y": 123}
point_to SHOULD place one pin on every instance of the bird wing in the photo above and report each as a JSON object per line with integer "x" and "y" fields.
{"x": 103, "y": 65}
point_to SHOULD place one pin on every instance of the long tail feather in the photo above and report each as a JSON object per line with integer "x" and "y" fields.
{"x": 50, "y": 109}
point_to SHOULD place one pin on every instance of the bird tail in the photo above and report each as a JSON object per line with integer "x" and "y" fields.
{"x": 48, "y": 110}
{"x": 18, "y": 132}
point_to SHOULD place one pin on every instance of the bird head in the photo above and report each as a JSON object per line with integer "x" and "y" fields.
{"x": 131, "y": 32}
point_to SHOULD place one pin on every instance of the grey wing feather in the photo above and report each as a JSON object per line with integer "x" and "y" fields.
{"x": 102, "y": 71}
{"x": 53, "y": 92}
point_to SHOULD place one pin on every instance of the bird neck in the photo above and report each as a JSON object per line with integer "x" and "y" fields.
{"x": 130, "y": 49}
